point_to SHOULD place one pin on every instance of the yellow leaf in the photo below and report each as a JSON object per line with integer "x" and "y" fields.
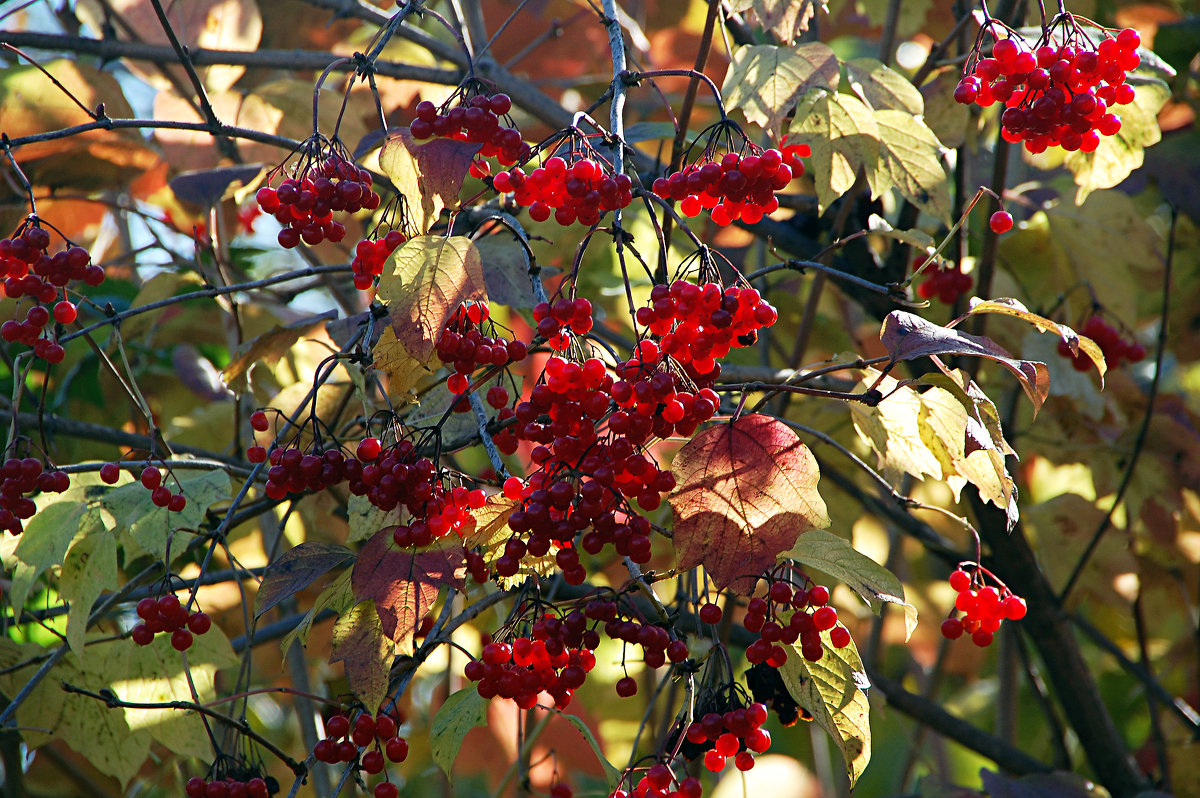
{"x": 844, "y": 137}
{"x": 892, "y": 430}
{"x": 911, "y": 157}
{"x": 404, "y": 371}
{"x": 883, "y": 88}
{"x": 1119, "y": 155}
{"x": 428, "y": 175}
{"x": 764, "y": 81}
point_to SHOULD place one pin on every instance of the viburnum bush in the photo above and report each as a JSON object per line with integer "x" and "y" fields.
{"x": 552, "y": 395}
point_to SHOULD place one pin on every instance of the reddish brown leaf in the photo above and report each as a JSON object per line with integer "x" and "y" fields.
{"x": 746, "y": 491}
{"x": 428, "y": 174}
{"x": 908, "y": 337}
{"x": 404, "y": 585}
{"x": 296, "y": 569}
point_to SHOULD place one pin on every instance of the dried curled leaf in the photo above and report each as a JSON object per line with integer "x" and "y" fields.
{"x": 746, "y": 491}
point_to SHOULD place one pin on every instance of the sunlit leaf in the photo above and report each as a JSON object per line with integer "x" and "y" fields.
{"x": 337, "y": 596}
{"x": 492, "y": 532}
{"x": 787, "y": 19}
{"x": 360, "y": 644}
{"x": 1011, "y": 307}
{"x": 892, "y": 430}
{"x": 844, "y": 137}
{"x": 428, "y": 174}
{"x": 883, "y": 88}
{"x": 1120, "y": 154}
{"x": 765, "y": 81}
{"x": 835, "y": 556}
{"x": 89, "y": 569}
{"x": 463, "y": 710}
{"x": 745, "y": 491}
{"x": 910, "y": 155}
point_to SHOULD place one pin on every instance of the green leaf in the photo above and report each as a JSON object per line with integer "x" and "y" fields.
{"x": 359, "y": 642}
{"x": 463, "y": 711}
{"x": 844, "y": 137}
{"x": 883, "y": 88}
{"x": 835, "y": 556}
{"x": 90, "y": 568}
{"x": 764, "y": 81}
{"x": 911, "y": 157}
{"x": 148, "y": 527}
{"x": 614, "y": 775}
{"x": 1119, "y": 155}
{"x": 832, "y": 690}
{"x": 44, "y": 543}
{"x": 337, "y": 596}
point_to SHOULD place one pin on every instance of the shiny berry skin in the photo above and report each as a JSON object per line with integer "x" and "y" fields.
{"x": 627, "y": 687}
{"x": 337, "y": 727}
{"x": 1001, "y": 222}
{"x": 181, "y": 639}
{"x": 259, "y": 421}
{"x": 818, "y": 596}
{"x": 369, "y": 449}
{"x": 952, "y": 628}
{"x": 396, "y": 749}
{"x": 372, "y": 762}
{"x": 110, "y": 473}
{"x": 142, "y": 635}
{"x": 960, "y": 580}
{"x": 65, "y": 312}
{"x": 710, "y": 613}
{"x": 714, "y": 761}
{"x": 199, "y": 623}
{"x": 385, "y": 789}
{"x": 151, "y": 478}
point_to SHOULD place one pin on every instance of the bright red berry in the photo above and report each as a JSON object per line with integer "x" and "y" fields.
{"x": 1001, "y": 222}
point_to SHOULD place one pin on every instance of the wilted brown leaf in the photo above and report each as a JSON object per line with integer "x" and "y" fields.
{"x": 746, "y": 491}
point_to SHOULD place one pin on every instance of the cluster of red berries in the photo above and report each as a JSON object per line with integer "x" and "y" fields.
{"x": 476, "y": 121}
{"x": 305, "y": 202}
{"x": 1058, "y": 94}
{"x": 1112, "y": 344}
{"x": 572, "y": 188}
{"x": 343, "y": 741}
{"x": 463, "y": 345}
{"x": 946, "y": 284}
{"x": 294, "y": 471}
{"x": 736, "y": 187}
{"x": 654, "y": 400}
{"x": 231, "y": 787}
{"x": 167, "y": 614}
{"x": 29, "y": 270}
{"x": 699, "y": 324}
{"x": 152, "y": 480}
{"x": 660, "y": 782}
{"x": 811, "y": 616}
{"x": 369, "y": 256}
{"x": 543, "y": 662}
{"x": 983, "y": 606}
{"x": 19, "y": 476}
{"x": 556, "y": 321}
{"x": 736, "y": 733}
{"x": 658, "y": 647}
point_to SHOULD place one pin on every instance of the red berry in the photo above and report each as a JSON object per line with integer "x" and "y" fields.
{"x": 110, "y": 473}
{"x": 385, "y": 789}
{"x": 181, "y": 639}
{"x": 372, "y": 761}
{"x": 369, "y": 449}
{"x": 199, "y": 623}
{"x": 710, "y": 613}
{"x": 1001, "y": 222}
{"x": 142, "y": 635}
{"x": 195, "y": 787}
{"x": 396, "y": 749}
{"x": 627, "y": 687}
{"x": 960, "y": 580}
{"x": 714, "y": 761}
{"x": 65, "y": 312}
{"x": 337, "y": 727}
{"x": 259, "y": 421}
{"x": 151, "y": 478}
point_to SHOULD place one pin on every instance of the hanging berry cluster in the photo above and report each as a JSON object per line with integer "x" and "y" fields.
{"x": 1058, "y": 93}
{"x": 946, "y": 284}
{"x": 984, "y": 606}
{"x": 344, "y": 741}
{"x": 558, "y": 320}
{"x": 741, "y": 185}
{"x": 369, "y": 256}
{"x": 167, "y": 614}
{"x": 463, "y": 346}
{"x": 661, "y": 782}
{"x": 1113, "y": 345}
{"x": 321, "y": 182}
{"x": 810, "y": 615}
{"x": 554, "y": 656}
{"x": 575, "y": 186}
{"x": 242, "y": 783}
{"x": 30, "y": 271}
{"x": 476, "y": 120}
{"x": 727, "y": 730}
{"x": 21, "y": 476}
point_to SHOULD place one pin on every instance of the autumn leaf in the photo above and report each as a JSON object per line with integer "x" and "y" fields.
{"x": 490, "y": 534}
{"x": 428, "y": 174}
{"x": 907, "y": 337}
{"x": 430, "y": 277}
{"x": 404, "y": 584}
{"x": 832, "y": 689}
{"x": 296, "y": 569}
{"x": 764, "y": 81}
{"x": 844, "y": 137}
{"x": 462, "y": 711}
{"x": 911, "y": 158}
{"x": 883, "y": 88}
{"x": 268, "y": 348}
{"x": 746, "y": 490}
{"x": 787, "y": 19}
{"x": 359, "y": 642}
{"x": 1011, "y": 307}
{"x": 1120, "y": 154}
{"x": 404, "y": 371}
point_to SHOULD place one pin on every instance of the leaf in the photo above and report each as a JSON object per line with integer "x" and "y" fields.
{"x": 1011, "y": 307}
{"x": 892, "y": 430}
{"x": 787, "y": 19}
{"x": 296, "y": 569}
{"x": 613, "y": 775}
{"x": 463, "y": 710}
{"x": 207, "y": 187}
{"x": 430, "y": 278}
{"x": 147, "y": 526}
{"x": 911, "y": 157}
{"x": 359, "y": 642}
{"x": 404, "y": 584}
{"x": 832, "y": 690}
{"x": 984, "y": 430}
{"x": 365, "y": 519}
{"x": 44, "y": 543}
{"x": 907, "y": 337}
{"x": 90, "y": 568}
{"x": 947, "y": 119}
{"x": 1118, "y": 155}
{"x": 764, "y": 81}
{"x": 883, "y": 88}
{"x": 745, "y": 491}
{"x": 338, "y": 596}
{"x": 429, "y": 175}
{"x": 268, "y": 348}
{"x": 506, "y": 271}
{"x": 404, "y": 371}
{"x": 835, "y": 556}
{"x": 844, "y": 137}
{"x": 163, "y": 285}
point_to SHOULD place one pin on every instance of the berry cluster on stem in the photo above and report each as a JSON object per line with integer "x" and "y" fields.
{"x": 984, "y": 606}
{"x": 168, "y": 614}
{"x": 20, "y": 476}
{"x": 1115, "y": 347}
